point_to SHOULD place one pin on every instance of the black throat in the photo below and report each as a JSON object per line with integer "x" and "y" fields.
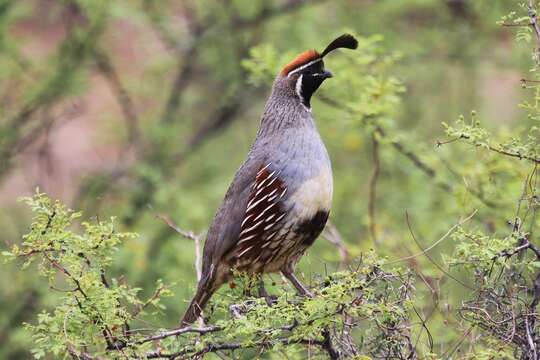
{"x": 307, "y": 87}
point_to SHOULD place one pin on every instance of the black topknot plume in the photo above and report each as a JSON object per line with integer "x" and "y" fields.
{"x": 344, "y": 41}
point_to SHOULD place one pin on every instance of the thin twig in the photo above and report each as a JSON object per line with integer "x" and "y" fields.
{"x": 180, "y": 331}
{"x": 444, "y": 271}
{"x": 80, "y": 355}
{"x": 441, "y": 239}
{"x": 534, "y": 22}
{"x": 188, "y": 235}
{"x": 332, "y": 234}
{"x": 229, "y": 346}
{"x": 167, "y": 220}
{"x": 373, "y": 190}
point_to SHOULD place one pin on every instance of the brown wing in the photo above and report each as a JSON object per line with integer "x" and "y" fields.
{"x": 264, "y": 211}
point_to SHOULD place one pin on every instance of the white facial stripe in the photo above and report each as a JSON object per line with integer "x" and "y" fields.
{"x": 304, "y": 66}
{"x": 298, "y": 87}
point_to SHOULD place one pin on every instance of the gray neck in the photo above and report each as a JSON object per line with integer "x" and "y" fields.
{"x": 284, "y": 110}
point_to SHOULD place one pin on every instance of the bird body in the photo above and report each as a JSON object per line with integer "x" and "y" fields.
{"x": 292, "y": 188}
{"x": 280, "y": 198}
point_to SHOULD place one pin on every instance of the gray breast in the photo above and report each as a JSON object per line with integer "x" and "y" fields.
{"x": 306, "y": 169}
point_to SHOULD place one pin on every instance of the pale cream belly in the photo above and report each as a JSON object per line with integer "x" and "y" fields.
{"x": 313, "y": 196}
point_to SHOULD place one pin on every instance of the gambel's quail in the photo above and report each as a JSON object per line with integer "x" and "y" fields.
{"x": 280, "y": 198}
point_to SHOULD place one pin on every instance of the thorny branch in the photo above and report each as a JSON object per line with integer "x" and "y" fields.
{"x": 108, "y": 336}
{"x": 505, "y": 305}
{"x": 326, "y": 331}
{"x": 334, "y": 342}
{"x": 495, "y": 149}
{"x": 498, "y": 312}
{"x": 81, "y": 355}
{"x": 212, "y": 348}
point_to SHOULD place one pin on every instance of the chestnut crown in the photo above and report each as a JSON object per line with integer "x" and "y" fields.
{"x": 307, "y": 71}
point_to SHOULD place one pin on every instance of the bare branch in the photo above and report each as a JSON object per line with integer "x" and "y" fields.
{"x": 534, "y": 22}
{"x": 441, "y": 239}
{"x": 81, "y": 355}
{"x": 167, "y": 220}
{"x": 373, "y": 189}
{"x": 424, "y": 252}
{"x": 332, "y": 234}
{"x": 494, "y": 149}
{"x": 180, "y": 331}
{"x": 188, "y": 235}
{"x": 211, "y": 348}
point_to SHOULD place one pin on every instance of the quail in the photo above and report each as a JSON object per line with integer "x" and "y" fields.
{"x": 280, "y": 198}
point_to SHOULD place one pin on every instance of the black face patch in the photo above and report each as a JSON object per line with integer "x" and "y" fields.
{"x": 310, "y": 84}
{"x": 311, "y": 78}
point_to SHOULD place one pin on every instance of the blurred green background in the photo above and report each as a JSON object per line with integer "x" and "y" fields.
{"x": 134, "y": 108}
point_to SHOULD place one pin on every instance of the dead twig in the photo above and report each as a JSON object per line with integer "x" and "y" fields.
{"x": 188, "y": 235}
{"x": 332, "y": 234}
{"x": 444, "y": 271}
{"x": 440, "y": 240}
{"x": 373, "y": 189}
{"x": 534, "y": 22}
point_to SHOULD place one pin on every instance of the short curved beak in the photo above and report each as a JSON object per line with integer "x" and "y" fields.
{"x": 327, "y": 74}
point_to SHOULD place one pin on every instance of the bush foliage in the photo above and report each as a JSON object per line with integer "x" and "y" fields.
{"x": 106, "y": 292}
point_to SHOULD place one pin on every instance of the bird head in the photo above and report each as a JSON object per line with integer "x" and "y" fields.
{"x": 306, "y": 72}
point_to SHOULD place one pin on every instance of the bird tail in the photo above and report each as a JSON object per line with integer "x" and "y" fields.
{"x": 197, "y": 304}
